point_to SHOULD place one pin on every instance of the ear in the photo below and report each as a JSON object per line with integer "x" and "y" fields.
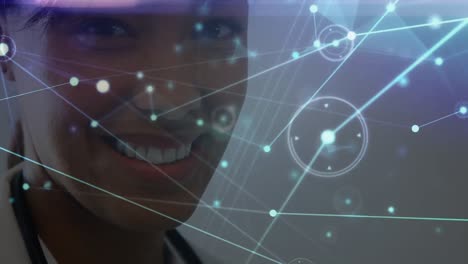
{"x": 5, "y": 64}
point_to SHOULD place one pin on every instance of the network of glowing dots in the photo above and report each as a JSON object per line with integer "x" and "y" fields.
{"x": 348, "y": 201}
{"x": 295, "y": 55}
{"x": 273, "y": 213}
{"x": 150, "y": 89}
{"x": 94, "y": 124}
{"x": 463, "y": 110}
{"x": 435, "y": 21}
{"x": 267, "y": 149}
{"x": 224, "y": 164}
{"x": 74, "y": 81}
{"x": 103, "y": 86}
{"x": 170, "y": 85}
{"x": 313, "y": 8}
{"x": 4, "y": 49}
{"x": 200, "y": 122}
{"x": 328, "y": 137}
{"x": 336, "y": 43}
{"x": 47, "y": 185}
{"x": 317, "y": 44}
{"x": 154, "y": 117}
{"x": 391, "y": 210}
{"x": 26, "y": 186}
{"x": 178, "y": 48}
{"x": 439, "y": 61}
{"x": 415, "y": 128}
{"x": 391, "y": 7}
{"x": 351, "y": 35}
{"x": 198, "y": 27}
{"x": 404, "y": 82}
{"x": 216, "y": 203}
{"x": 140, "y": 75}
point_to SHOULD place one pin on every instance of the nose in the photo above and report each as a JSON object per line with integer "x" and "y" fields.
{"x": 171, "y": 100}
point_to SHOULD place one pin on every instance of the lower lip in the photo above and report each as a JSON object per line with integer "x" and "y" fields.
{"x": 178, "y": 171}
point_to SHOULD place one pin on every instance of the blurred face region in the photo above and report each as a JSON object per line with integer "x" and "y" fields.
{"x": 137, "y": 105}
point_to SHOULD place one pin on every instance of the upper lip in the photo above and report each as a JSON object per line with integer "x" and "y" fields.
{"x": 176, "y": 131}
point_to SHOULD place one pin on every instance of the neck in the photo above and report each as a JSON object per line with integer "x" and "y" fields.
{"x": 74, "y": 235}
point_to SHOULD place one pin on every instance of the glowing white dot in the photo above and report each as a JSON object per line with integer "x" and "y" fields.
{"x": 317, "y": 44}
{"x": 224, "y": 164}
{"x": 391, "y": 210}
{"x": 26, "y": 186}
{"x": 103, "y": 86}
{"x": 4, "y": 49}
{"x": 74, "y": 81}
{"x": 351, "y": 35}
{"x": 391, "y": 7}
{"x": 94, "y": 124}
{"x": 154, "y": 117}
{"x": 313, "y": 9}
{"x": 150, "y": 89}
{"x": 463, "y": 110}
{"x": 415, "y": 128}
{"x": 439, "y": 61}
{"x": 336, "y": 43}
{"x": 435, "y": 21}
{"x": 140, "y": 75}
{"x": 273, "y": 213}
{"x": 328, "y": 137}
{"x": 295, "y": 55}
{"x": 267, "y": 149}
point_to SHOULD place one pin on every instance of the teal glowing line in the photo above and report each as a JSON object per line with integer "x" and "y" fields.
{"x": 134, "y": 151}
{"x": 439, "y": 119}
{"x": 248, "y": 78}
{"x": 379, "y": 217}
{"x": 331, "y": 75}
{"x": 291, "y": 193}
{"x": 136, "y": 204}
{"x": 31, "y": 92}
{"x": 415, "y": 64}
{"x": 415, "y": 26}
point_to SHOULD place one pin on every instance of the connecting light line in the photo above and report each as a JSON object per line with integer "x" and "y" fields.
{"x": 377, "y": 217}
{"x": 443, "y": 22}
{"x": 408, "y": 70}
{"x": 122, "y": 198}
{"x": 439, "y": 119}
{"x": 138, "y": 155}
{"x": 439, "y": 44}
{"x": 249, "y": 78}
{"x": 291, "y": 193}
{"x": 299, "y": 182}
{"x": 331, "y": 75}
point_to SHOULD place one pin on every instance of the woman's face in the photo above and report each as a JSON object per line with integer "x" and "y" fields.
{"x": 150, "y": 77}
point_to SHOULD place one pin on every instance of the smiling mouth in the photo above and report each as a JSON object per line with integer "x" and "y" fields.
{"x": 154, "y": 155}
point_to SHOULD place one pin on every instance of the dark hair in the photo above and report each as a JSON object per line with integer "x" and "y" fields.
{"x": 7, "y": 5}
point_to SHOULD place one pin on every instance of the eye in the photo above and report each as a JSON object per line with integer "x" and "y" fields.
{"x": 104, "y": 27}
{"x": 104, "y": 34}
{"x": 216, "y": 29}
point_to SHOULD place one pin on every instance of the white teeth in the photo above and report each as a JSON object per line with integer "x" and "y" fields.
{"x": 155, "y": 155}
{"x": 152, "y": 154}
{"x": 129, "y": 151}
{"x": 141, "y": 153}
{"x": 169, "y": 155}
{"x": 181, "y": 152}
